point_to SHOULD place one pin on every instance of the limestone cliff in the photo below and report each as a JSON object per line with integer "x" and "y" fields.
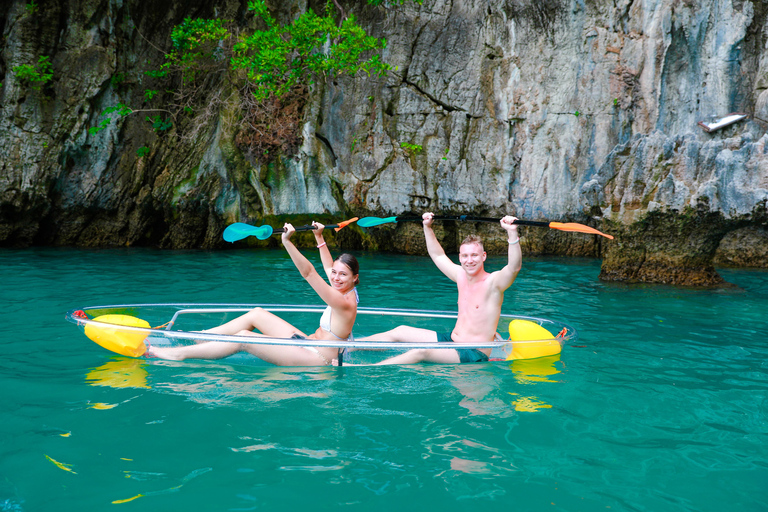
{"x": 581, "y": 111}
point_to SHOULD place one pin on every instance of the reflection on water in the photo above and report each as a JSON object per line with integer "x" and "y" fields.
{"x": 527, "y": 371}
{"x": 531, "y": 371}
{"x": 213, "y": 383}
{"x": 121, "y": 372}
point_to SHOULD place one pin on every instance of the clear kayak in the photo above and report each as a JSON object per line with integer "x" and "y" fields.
{"x": 127, "y": 329}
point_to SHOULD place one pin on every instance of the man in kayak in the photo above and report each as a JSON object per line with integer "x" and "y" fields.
{"x": 480, "y": 297}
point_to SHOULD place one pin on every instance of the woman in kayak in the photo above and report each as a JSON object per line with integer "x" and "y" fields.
{"x": 335, "y": 324}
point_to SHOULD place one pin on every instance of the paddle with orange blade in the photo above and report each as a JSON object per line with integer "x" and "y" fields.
{"x": 240, "y": 230}
{"x": 368, "y": 222}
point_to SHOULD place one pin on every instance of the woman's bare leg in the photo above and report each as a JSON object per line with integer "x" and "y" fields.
{"x": 205, "y": 350}
{"x": 291, "y": 355}
{"x": 257, "y": 319}
{"x": 280, "y": 355}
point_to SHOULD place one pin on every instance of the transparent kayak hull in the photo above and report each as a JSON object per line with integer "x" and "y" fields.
{"x": 127, "y": 329}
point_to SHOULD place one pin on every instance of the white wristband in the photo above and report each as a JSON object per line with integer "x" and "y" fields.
{"x": 513, "y": 242}
{"x": 322, "y": 244}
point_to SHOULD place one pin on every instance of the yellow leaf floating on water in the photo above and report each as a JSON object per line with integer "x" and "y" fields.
{"x": 101, "y": 406}
{"x": 61, "y": 465}
{"x": 175, "y": 488}
{"x": 127, "y": 500}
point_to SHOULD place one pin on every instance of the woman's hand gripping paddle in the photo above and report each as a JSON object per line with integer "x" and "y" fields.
{"x": 240, "y": 230}
{"x": 368, "y": 222}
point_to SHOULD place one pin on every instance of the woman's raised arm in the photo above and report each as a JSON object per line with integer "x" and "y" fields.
{"x": 325, "y": 253}
{"x": 330, "y": 296}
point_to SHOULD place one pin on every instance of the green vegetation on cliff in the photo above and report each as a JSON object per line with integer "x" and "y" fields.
{"x": 265, "y": 69}
{"x": 35, "y": 75}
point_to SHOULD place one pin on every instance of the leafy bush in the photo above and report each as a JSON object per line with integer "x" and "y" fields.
{"x": 268, "y": 68}
{"x": 36, "y": 76}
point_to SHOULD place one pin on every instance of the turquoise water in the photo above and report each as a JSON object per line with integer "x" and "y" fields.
{"x": 661, "y": 405}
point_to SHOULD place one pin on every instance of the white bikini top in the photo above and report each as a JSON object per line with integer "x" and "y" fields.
{"x": 325, "y": 320}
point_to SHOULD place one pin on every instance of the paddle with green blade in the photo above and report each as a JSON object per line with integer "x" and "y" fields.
{"x": 368, "y": 222}
{"x": 240, "y": 230}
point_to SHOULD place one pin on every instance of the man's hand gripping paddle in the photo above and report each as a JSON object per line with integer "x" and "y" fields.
{"x": 368, "y": 222}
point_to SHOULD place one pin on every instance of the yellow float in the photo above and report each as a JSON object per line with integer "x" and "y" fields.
{"x": 122, "y": 341}
{"x": 531, "y": 340}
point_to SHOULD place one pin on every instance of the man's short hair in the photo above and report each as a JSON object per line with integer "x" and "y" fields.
{"x": 473, "y": 239}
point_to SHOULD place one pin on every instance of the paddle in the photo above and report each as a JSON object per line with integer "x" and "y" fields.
{"x": 368, "y": 222}
{"x": 240, "y": 230}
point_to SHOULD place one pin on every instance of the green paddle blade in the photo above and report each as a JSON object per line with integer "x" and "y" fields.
{"x": 369, "y": 222}
{"x": 240, "y": 230}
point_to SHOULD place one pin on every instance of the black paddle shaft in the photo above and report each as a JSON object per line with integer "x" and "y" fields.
{"x": 469, "y": 218}
{"x": 308, "y": 227}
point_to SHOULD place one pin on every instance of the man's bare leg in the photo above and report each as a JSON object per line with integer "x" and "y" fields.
{"x": 424, "y": 355}
{"x": 405, "y": 334}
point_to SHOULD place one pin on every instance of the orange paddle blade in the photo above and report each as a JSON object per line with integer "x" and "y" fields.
{"x": 579, "y": 228}
{"x": 345, "y": 223}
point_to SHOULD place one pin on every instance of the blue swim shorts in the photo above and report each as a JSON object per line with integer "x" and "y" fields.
{"x": 466, "y": 355}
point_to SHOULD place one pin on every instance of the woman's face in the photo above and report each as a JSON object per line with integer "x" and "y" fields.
{"x": 341, "y": 277}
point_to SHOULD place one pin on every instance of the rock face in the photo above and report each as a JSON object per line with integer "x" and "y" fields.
{"x": 566, "y": 111}
{"x": 746, "y": 247}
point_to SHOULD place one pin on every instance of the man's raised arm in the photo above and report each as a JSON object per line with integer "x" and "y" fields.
{"x": 506, "y": 276}
{"x": 436, "y": 251}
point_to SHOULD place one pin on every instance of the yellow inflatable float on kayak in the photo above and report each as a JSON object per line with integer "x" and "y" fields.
{"x": 532, "y": 340}
{"x": 122, "y": 341}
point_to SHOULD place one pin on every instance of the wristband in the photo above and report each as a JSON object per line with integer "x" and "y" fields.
{"x": 322, "y": 244}
{"x": 511, "y": 242}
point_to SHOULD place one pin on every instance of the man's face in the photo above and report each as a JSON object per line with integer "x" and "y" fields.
{"x": 472, "y": 258}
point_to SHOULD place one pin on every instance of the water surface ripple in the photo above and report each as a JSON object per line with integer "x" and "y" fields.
{"x": 660, "y": 405}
